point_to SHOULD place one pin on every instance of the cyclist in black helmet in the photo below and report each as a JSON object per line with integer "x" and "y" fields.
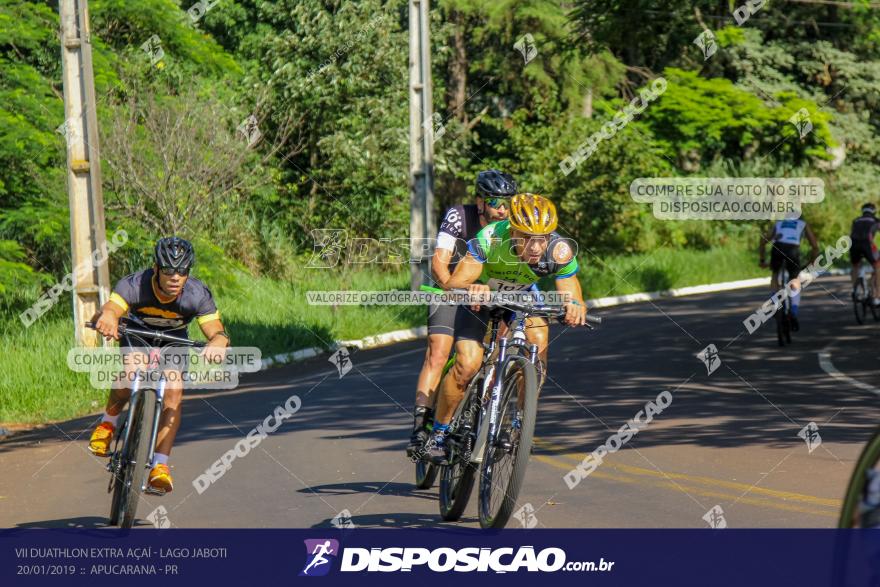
{"x": 460, "y": 224}
{"x": 864, "y": 229}
{"x": 165, "y": 298}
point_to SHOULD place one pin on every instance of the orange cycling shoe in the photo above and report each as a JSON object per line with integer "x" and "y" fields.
{"x": 160, "y": 478}
{"x": 99, "y": 443}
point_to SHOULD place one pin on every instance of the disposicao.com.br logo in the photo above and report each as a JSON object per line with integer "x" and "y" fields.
{"x": 441, "y": 560}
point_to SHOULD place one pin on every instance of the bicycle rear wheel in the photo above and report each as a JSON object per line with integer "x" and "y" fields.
{"x": 426, "y": 474}
{"x": 781, "y": 323}
{"x": 457, "y": 478}
{"x": 136, "y": 462}
{"x": 507, "y": 456}
{"x": 859, "y": 302}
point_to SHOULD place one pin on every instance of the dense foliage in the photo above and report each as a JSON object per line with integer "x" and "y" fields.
{"x": 518, "y": 84}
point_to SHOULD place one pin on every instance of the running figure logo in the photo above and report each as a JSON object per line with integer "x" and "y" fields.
{"x": 317, "y": 553}
{"x": 710, "y": 358}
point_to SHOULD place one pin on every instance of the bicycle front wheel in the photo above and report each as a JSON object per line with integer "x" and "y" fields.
{"x": 136, "y": 460}
{"x": 507, "y": 455}
{"x": 866, "y": 471}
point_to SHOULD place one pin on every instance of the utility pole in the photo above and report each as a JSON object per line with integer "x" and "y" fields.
{"x": 421, "y": 144}
{"x": 92, "y": 287}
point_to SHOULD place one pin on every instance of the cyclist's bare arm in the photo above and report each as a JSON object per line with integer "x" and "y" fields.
{"x": 213, "y": 330}
{"x": 107, "y": 319}
{"x": 575, "y": 313}
{"x": 440, "y": 264}
{"x": 814, "y": 244}
{"x": 467, "y": 272}
{"x": 762, "y": 247}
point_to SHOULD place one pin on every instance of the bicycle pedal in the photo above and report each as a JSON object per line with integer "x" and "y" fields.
{"x": 153, "y": 491}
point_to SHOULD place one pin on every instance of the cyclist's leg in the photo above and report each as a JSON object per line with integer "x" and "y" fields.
{"x": 538, "y": 332}
{"x": 776, "y": 260}
{"x": 793, "y": 265}
{"x": 174, "y": 363}
{"x": 441, "y": 327}
{"x": 470, "y": 327}
{"x": 468, "y": 356}
{"x": 439, "y": 347}
{"x": 169, "y": 424}
{"x": 855, "y": 258}
{"x": 875, "y": 277}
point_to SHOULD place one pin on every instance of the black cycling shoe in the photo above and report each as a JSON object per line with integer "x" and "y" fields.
{"x": 436, "y": 450}
{"x": 794, "y": 324}
{"x": 423, "y": 421}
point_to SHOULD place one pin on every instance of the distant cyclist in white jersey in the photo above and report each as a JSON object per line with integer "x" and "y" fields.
{"x": 786, "y": 237}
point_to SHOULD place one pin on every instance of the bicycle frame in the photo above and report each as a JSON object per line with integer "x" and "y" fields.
{"x": 488, "y": 431}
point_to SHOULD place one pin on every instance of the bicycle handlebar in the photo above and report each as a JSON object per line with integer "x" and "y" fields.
{"x": 124, "y": 329}
{"x": 549, "y": 311}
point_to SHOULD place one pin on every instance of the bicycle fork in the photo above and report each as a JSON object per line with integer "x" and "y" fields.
{"x": 495, "y": 401}
{"x": 154, "y": 435}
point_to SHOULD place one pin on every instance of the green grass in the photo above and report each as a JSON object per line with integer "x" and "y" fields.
{"x": 38, "y": 387}
{"x": 667, "y": 268}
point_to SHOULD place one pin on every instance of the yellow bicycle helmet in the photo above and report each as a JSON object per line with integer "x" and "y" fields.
{"x": 532, "y": 214}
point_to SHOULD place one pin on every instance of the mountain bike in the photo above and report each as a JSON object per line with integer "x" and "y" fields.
{"x": 861, "y": 295}
{"x": 492, "y": 429}
{"x": 135, "y": 443}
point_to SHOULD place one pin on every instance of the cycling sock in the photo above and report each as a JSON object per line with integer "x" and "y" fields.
{"x": 159, "y": 459}
{"x": 108, "y": 418}
{"x": 795, "y": 300}
{"x": 794, "y": 310}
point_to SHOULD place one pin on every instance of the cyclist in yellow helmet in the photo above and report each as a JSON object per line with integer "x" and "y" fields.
{"x": 511, "y": 255}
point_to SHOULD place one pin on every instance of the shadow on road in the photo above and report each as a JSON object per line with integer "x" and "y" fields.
{"x": 382, "y": 488}
{"x": 400, "y": 520}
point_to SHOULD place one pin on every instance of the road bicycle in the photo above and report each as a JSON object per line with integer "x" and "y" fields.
{"x": 861, "y": 295}
{"x": 135, "y": 442}
{"x": 783, "y": 312}
{"x": 490, "y": 434}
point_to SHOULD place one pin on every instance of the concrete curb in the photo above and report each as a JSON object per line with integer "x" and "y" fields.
{"x": 407, "y": 334}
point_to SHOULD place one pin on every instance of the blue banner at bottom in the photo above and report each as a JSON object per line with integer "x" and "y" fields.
{"x": 719, "y": 558}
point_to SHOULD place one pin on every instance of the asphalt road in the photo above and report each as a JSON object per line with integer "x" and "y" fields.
{"x": 728, "y": 439}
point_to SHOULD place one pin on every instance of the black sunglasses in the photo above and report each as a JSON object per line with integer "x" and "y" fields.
{"x": 172, "y": 270}
{"x": 498, "y": 202}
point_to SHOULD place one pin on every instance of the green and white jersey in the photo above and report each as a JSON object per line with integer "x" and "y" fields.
{"x": 503, "y": 270}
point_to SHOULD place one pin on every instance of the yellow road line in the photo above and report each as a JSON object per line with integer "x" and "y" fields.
{"x": 764, "y": 497}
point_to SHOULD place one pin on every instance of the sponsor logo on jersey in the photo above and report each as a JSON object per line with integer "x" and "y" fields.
{"x": 562, "y": 252}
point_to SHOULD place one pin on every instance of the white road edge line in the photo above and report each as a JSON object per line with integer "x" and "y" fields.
{"x": 827, "y": 366}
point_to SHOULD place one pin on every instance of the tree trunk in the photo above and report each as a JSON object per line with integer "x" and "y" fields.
{"x": 588, "y": 104}
{"x": 458, "y": 69}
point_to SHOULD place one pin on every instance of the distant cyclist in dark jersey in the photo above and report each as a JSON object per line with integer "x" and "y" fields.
{"x": 786, "y": 237}
{"x": 460, "y": 224}
{"x": 162, "y": 298}
{"x": 864, "y": 229}
{"x": 511, "y": 255}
